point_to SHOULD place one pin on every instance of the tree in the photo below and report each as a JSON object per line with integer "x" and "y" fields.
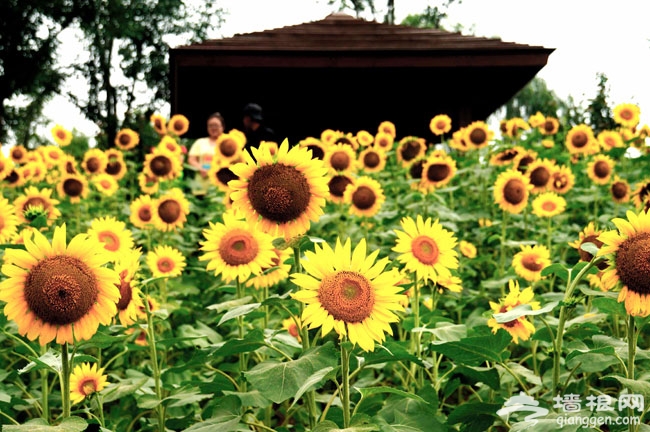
{"x": 431, "y": 17}
{"x": 534, "y": 97}
{"x": 598, "y": 111}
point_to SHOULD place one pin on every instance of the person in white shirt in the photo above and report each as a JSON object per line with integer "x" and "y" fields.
{"x": 203, "y": 151}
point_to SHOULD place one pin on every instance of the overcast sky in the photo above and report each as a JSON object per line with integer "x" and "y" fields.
{"x": 589, "y": 36}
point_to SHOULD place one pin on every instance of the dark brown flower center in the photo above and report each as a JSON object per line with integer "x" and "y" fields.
{"x": 343, "y": 140}
{"x": 532, "y": 262}
{"x": 586, "y": 256}
{"x": 441, "y": 125}
{"x": 73, "y": 187}
{"x": 338, "y": 184}
{"x": 124, "y": 139}
{"x": 425, "y": 249}
{"x": 409, "y": 150}
{"x": 416, "y": 169}
{"x": 160, "y": 165}
{"x": 228, "y": 147}
{"x": 70, "y": 168}
{"x": 13, "y": 177}
{"x": 165, "y": 264}
{"x": 224, "y": 175}
{"x": 602, "y": 169}
{"x": 238, "y": 247}
{"x": 316, "y": 152}
{"x": 371, "y": 160}
{"x": 17, "y": 153}
{"x": 279, "y": 192}
{"x": 540, "y": 176}
{"x": 619, "y": 190}
{"x": 113, "y": 167}
{"x": 523, "y": 163}
{"x": 514, "y": 191}
{"x": 36, "y": 202}
{"x": 347, "y": 296}
{"x": 178, "y": 125}
{"x": 579, "y": 139}
{"x": 126, "y": 292}
{"x": 626, "y": 114}
{"x": 363, "y": 198}
{"x": 61, "y": 289}
{"x": 93, "y": 165}
{"x": 340, "y": 161}
{"x": 633, "y": 263}
{"x": 438, "y": 172}
{"x": 477, "y": 136}
{"x": 507, "y": 155}
{"x": 549, "y": 126}
{"x": 144, "y": 213}
{"x": 169, "y": 211}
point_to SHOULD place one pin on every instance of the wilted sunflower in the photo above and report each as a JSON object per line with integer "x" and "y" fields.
{"x": 589, "y": 235}
{"x": 387, "y": 127}
{"x": 8, "y": 221}
{"x": 18, "y": 154}
{"x": 126, "y": 139}
{"x": 548, "y": 204}
{"x": 580, "y": 140}
{"x": 627, "y": 115}
{"x": 94, "y": 161}
{"x": 530, "y": 261}
{"x": 158, "y": 121}
{"x": 286, "y": 190}
{"x": 148, "y": 185}
{"x": 511, "y": 191}
{"x": 317, "y": 147}
{"x": 437, "y": 171}
{"x": 72, "y": 186}
{"x": 161, "y": 164}
{"x": 165, "y": 261}
{"x": 53, "y": 289}
{"x": 220, "y": 175}
{"x": 178, "y": 124}
{"x": 467, "y": 249}
{"x": 642, "y": 193}
{"x": 340, "y": 158}
{"x": 477, "y": 134}
{"x": 550, "y": 126}
{"x": 228, "y": 148}
{"x": 337, "y": 185}
{"x": 384, "y": 141}
{"x": 372, "y": 159}
{"x": 142, "y": 209}
{"x": 61, "y": 135}
{"x": 507, "y": 156}
{"x": 364, "y": 138}
{"x": 562, "y": 179}
{"x": 627, "y": 249}
{"x": 620, "y": 190}
{"x": 519, "y": 328}
{"x": 105, "y": 183}
{"x": 86, "y": 380}
{"x": 349, "y": 292}
{"x": 272, "y": 275}
{"x": 600, "y": 169}
{"x": 426, "y": 248}
{"x": 236, "y": 249}
{"x": 539, "y": 173}
{"x": 34, "y": 197}
{"x": 409, "y": 149}
{"x": 365, "y": 196}
{"x": 171, "y": 210}
{"x": 609, "y": 139}
{"x": 112, "y": 234}
{"x": 130, "y": 295}
{"x": 440, "y": 124}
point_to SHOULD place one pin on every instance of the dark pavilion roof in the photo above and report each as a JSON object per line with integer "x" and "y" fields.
{"x": 349, "y": 74}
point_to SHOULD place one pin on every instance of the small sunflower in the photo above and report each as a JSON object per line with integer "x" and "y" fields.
{"x": 228, "y": 148}
{"x": 340, "y": 158}
{"x": 548, "y": 204}
{"x": 387, "y": 127}
{"x": 548, "y": 143}
{"x": 458, "y": 141}
{"x": 437, "y": 171}
{"x": 346, "y": 139}
{"x": 364, "y": 138}
{"x": 449, "y": 283}
{"x": 236, "y": 249}
{"x": 588, "y": 235}
{"x": 515, "y": 126}
{"x": 53, "y": 290}
{"x": 580, "y": 140}
{"x": 34, "y": 197}
{"x": 349, "y": 292}
{"x": 171, "y": 210}
{"x": 316, "y": 146}
{"x": 220, "y": 175}
{"x": 409, "y": 149}
{"x": 170, "y": 144}
{"x": 112, "y": 234}
{"x": 18, "y": 154}
{"x": 52, "y": 155}
{"x": 148, "y": 185}
{"x": 620, "y": 190}
{"x": 178, "y": 124}
{"x": 511, "y": 191}
{"x": 372, "y": 160}
{"x": 440, "y": 124}
{"x": 539, "y": 173}
{"x": 328, "y": 136}
{"x": 285, "y": 191}
{"x": 467, "y": 249}
{"x": 477, "y": 134}
{"x": 551, "y": 126}
{"x": 523, "y": 160}
{"x": 642, "y": 193}
{"x": 609, "y": 139}
{"x": 94, "y": 161}
{"x": 507, "y": 156}
{"x": 6, "y": 165}
{"x": 426, "y": 248}
{"x": 627, "y": 249}
{"x": 14, "y": 178}
{"x": 165, "y": 261}
{"x": 115, "y": 167}
{"x": 365, "y": 196}
{"x": 105, "y": 183}
{"x": 627, "y": 115}
{"x": 600, "y": 169}
{"x": 274, "y": 274}
{"x": 384, "y": 141}
{"x": 162, "y": 164}
{"x": 562, "y": 179}
{"x": 158, "y": 121}
{"x": 530, "y": 261}
{"x": 142, "y": 209}
{"x": 292, "y": 327}
{"x": 337, "y": 185}
{"x": 130, "y": 295}
{"x": 536, "y": 120}
{"x": 69, "y": 165}
{"x": 61, "y": 135}
{"x": 8, "y": 221}
{"x": 126, "y": 139}
{"x": 72, "y": 186}
{"x": 519, "y": 328}
{"x": 86, "y": 380}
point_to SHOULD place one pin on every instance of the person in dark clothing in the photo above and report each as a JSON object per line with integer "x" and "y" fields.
{"x": 254, "y": 128}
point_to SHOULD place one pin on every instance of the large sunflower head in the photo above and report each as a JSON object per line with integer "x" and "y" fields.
{"x": 409, "y": 149}
{"x": 609, "y": 139}
{"x": 548, "y": 204}
{"x": 539, "y": 173}
{"x": 384, "y": 141}
{"x": 580, "y": 140}
{"x": 165, "y": 261}
{"x": 57, "y": 290}
{"x": 340, "y": 158}
{"x": 511, "y": 191}
{"x": 61, "y": 135}
{"x": 588, "y": 235}
{"x": 126, "y": 139}
{"x": 86, "y": 380}
{"x": 365, "y": 196}
{"x": 437, "y": 171}
{"x": 158, "y": 122}
{"x": 285, "y": 191}
{"x": 273, "y": 275}
{"x": 130, "y": 295}
{"x": 600, "y": 169}
{"x": 171, "y": 210}
{"x": 530, "y": 261}
{"x": 73, "y": 186}
{"x": 178, "y": 124}
{"x": 349, "y": 292}
{"x": 550, "y": 126}
{"x": 372, "y": 159}
{"x": 440, "y": 124}
{"x": 112, "y": 234}
{"x": 237, "y": 249}
{"x": 519, "y": 328}
{"x": 8, "y": 221}
{"x": 426, "y": 248}
{"x": 627, "y": 249}
{"x": 627, "y": 115}
{"x": 34, "y": 197}
{"x": 620, "y": 190}
{"x": 562, "y": 179}
{"x": 142, "y": 209}
{"x": 477, "y": 134}
{"x": 94, "y": 161}
{"x": 162, "y": 164}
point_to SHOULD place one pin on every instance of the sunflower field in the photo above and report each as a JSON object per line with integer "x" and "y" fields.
{"x": 353, "y": 281}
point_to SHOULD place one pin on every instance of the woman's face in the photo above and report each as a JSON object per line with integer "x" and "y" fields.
{"x": 215, "y": 128}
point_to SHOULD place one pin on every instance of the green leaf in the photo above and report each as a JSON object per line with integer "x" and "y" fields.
{"x": 407, "y": 415}
{"x": 122, "y": 389}
{"x": 330, "y": 426}
{"x": 590, "y": 248}
{"x": 592, "y": 360}
{"x": 251, "y": 341}
{"x": 220, "y": 307}
{"x": 635, "y": 386}
{"x": 312, "y": 381}
{"x": 279, "y": 381}
{"x": 238, "y": 311}
{"x": 610, "y": 306}
{"x": 389, "y": 352}
{"x": 448, "y": 332}
{"x": 250, "y": 399}
{"x": 50, "y": 360}
{"x": 487, "y": 375}
{"x": 70, "y": 424}
{"x": 467, "y": 411}
{"x": 523, "y": 310}
{"x": 368, "y": 391}
{"x": 558, "y": 270}
{"x": 186, "y": 398}
{"x": 473, "y": 351}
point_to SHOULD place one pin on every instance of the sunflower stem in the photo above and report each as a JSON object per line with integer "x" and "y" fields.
{"x": 45, "y": 390}
{"x": 416, "y": 346}
{"x": 65, "y": 380}
{"x": 502, "y": 260}
{"x": 549, "y": 235}
{"x": 345, "y": 384}
{"x": 155, "y": 367}
{"x": 240, "y": 328}
{"x": 631, "y": 354}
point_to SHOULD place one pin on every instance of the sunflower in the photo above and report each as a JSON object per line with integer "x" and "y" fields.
{"x": 14, "y": 178}
{"x": 536, "y": 120}
{"x": 8, "y": 221}
{"x": 266, "y": 146}
{"x": 69, "y": 165}
{"x": 511, "y": 191}
{"x": 449, "y": 283}
{"x": 52, "y": 155}
{"x": 562, "y": 179}
{"x": 142, "y": 209}
{"x": 161, "y": 164}
{"x": 158, "y": 122}
{"x": 627, "y": 249}
{"x": 600, "y": 169}
{"x": 349, "y": 292}
{"x": 387, "y": 127}
{"x": 550, "y": 126}
{"x": 317, "y": 147}
{"x": 165, "y": 261}
{"x": 364, "y": 138}
{"x": 437, "y": 171}
{"x": 170, "y": 210}
{"x": 548, "y": 143}
{"x": 277, "y": 272}
{"x": 328, "y": 136}
{"x": 548, "y": 204}
{"x": 620, "y": 190}
{"x": 609, "y": 139}
{"x": 130, "y": 295}
{"x": 416, "y": 169}
{"x": 178, "y": 124}
{"x": 18, "y": 154}
{"x": 220, "y": 175}
{"x": 116, "y": 167}
{"x": 73, "y": 186}
{"x": 285, "y": 191}
{"x": 170, "y": 144}
{"x": 642, "y": 193}
{"x": 337, "y": 185}
{"x": 507, "y": 156}
{"x": 627, "y": 115}
{"x": 372, "y": 159}
{"x": 530, "y": 261}
{"x": 105, "y": 183}
{"x": 346, "y": 139}
{"x": 384, "y": 141}
{"x": 86, "y": 380}
{"x": 54, "y": 289}
{"x": 148, "y": 185}
{"x": 426, "y": 248}
{"x": 112, "y": 234}
{"x": 519, "y": 328}
{"x": 94, "y": 161}
{"x": 228, "y": 148}
{"x": 580, "y": 140}
{"x": 477, "y": 134}
{"x": 151, "y": 303}
{"x": 467, "y": 249}
{"x": 539, "y": 173}
{"x": 458, "y": 141}
{"x": 589, "y": 235}
{"x": 340, "y": 158}
{"x": 6, "y": 165}
{"x": 33, "y": 197}
{"x": 514, "y": 127}
{"x": 61, "y": 135}
{"x": 523, "y": 160}
{"x": 126, "y": 139}
{"x": 237, "y": 249}
{"x": 365, "y": 196}
{"x": 409, "y": 149}
{"x": 440, "y": 124}
{"x": 292, "y": 327}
